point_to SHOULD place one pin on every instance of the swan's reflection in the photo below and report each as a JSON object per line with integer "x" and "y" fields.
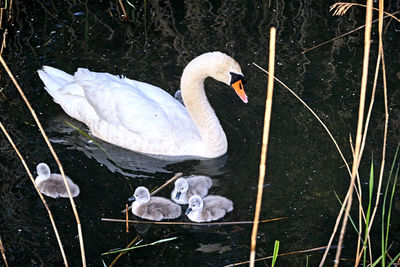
{"x": 123, "y": 161}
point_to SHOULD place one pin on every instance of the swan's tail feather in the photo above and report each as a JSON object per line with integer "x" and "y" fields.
{"x": 58, "y": 82}
{"x": 54, "y": 78}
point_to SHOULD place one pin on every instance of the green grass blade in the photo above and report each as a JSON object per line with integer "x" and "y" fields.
{"x": 394, "y": 259}
{"x": 89, "y": 137}
{"x": 275, "y": 255}
{"x": 351, "y": 220}
{"x": 140, "y": 246}
{"x": 389, "y": 212}
{"x": 384, "y": 243}
{"x": 368, "y": 215}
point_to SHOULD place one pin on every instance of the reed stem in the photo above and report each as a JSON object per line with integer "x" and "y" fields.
{"x": 267, "y": 118}
{"x": 3, "y": 253}
{"x": 356, "y": 155}
{"x": 191, "y": 223}
{"x": 38, "y": 191}
{"x": 54, "y": 155}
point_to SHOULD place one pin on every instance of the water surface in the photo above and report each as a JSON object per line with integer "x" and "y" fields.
{"x": 303, "y": 170}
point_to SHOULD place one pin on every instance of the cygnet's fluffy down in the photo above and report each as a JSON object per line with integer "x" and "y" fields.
{"x": 208, "y": 209}
{"x": 52, "y": 184}
{"x": 153, "y": 208}
{"x": 187, "y": 187}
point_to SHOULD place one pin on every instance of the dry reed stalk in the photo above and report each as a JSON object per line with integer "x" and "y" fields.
{"x": 54, "y": 155}
{"x": 123, "y": 252}
{"x": 267, "y": 119}
{"x": 189, "y": 223}
{"x": 1, "y": 17}
{"x": 381, "y": 57}
{"x": 123, "y": 10}
{"x": 3, "y": 43}
{"x": 10, "y": 10}
{"x": 356, "y": 155}
{"x": 176, "y": 176}
{"x": 341, "y": 8}
{"x": 279, "y": 255}
{"x": 126, "y": 219}
{"x": 37, "y": 190}
{"x": 3, "y": 253}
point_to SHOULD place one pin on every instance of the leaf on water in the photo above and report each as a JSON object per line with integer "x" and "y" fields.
{"x": 217, "y": 247}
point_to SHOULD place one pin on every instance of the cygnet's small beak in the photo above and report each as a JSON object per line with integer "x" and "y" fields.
{"x": 178, "y": 195}
{"x": 188, "y": 211}
{"x": 132, "y": 198}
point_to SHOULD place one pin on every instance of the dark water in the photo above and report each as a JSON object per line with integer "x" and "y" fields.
{"x": 304, "y": 169}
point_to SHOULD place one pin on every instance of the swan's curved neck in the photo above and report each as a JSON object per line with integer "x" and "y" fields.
{"x": 200, "y": 110}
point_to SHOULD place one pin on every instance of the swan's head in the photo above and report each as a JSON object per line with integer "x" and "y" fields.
{"x": 225, "y": 69}
{"x": 43, "y": 170}
{"x": 141, "y": 195}
{"x": 195, "y": 203}
{"x": 181, "y": 186}
{"x": 222, "y": 68}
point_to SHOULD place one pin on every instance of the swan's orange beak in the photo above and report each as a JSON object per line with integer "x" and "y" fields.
{"x": 238, "y": 87}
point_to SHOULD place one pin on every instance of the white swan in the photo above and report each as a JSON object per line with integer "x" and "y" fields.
{"x": 144, "y": 118}
{"x": 190, "y": 186}
{"x": 52, "y": 184}
{"x": 153, "y": 208}
{"x": 208, "y": 209}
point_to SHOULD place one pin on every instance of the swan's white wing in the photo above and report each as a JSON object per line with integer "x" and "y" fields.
{"x": 139, "y": 107}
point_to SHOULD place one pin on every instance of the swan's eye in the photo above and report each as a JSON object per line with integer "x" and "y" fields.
{"x": 236, "y": 77}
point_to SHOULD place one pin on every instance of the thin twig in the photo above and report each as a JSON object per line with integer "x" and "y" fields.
{"x": 191, "y": 223}
{"x": 179, "y": 174}
{"x": 340, "y": 36}
{"x": 38, "y": 191}
{"x": 357, "y": 156}
{"x": 267, "y": 120}
{"x": 337, "y": 147}
{"x": 176, "y": 176}
{"x": 123, "y": 10}
{"x": 123, "y": 252}
{"x": 279, "y": 255}
{"x": 3, "y": 253}
{"x": 314, "y": 114}
{"x": 54, "y": 155}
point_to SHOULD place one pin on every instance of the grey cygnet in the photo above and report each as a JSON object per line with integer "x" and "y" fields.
{"x": 208, "y": 209}
{"x": 153, "y": 208}
{"x": 52, "y": 184}
{"x": 190, "y": 186}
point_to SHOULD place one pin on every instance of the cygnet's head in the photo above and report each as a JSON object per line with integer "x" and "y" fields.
{"x": 43, "y": 170}
{"x": 142, "y": 195}
{"x": 181, "y": 186}
{"x": 195, "y": 203}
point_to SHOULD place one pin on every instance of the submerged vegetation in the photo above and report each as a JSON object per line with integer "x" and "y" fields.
{"x": 152, "y": 31}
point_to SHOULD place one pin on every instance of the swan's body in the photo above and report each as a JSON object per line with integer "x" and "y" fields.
{"x": 208, "y": 209}
{"x": 52, "y": 184}
{"x": 190, "y": 186}
{"x": 153, "y": 208}
{"x": 144, "y": 118}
